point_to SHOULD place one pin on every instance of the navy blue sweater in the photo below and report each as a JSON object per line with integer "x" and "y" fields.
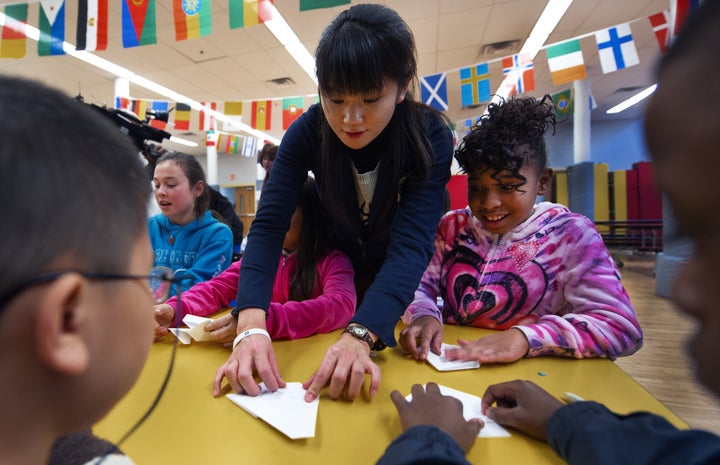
{"x": 394, "y": 251}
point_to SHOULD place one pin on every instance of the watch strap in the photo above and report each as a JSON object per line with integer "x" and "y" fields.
{"x": 363, "y": 335}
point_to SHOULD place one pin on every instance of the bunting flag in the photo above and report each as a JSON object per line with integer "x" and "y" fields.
{"x": 250, "y": 147}
{"x": 659, "y": 23}
{"x": 139, "y": 107}
{"x": 193, "y": 18}
{"x": 122, "y": 103}
{"x": 158, "y": 106}
{"x": 566, "y": 62}
{"x": 52, "y": 27}
{"x": 182, "y": 117}
{"x": 679, "y": 12}
{"x": 207, "y": 121}
{"x": 233, "y": 108}
{"x": 563, "y": 103}
{"x": 261, "y": 114}
{"x": 12, "y": 41}
{"x": 228, "y": 143}
{"x": 433, "y": 91}
{"x": 138, "y": 23}
{"x": 292, "y": 109}
{"x": 92, "y": 25}
{"x": 521, "y": 73}
{"x": 616, "y": 48}
{"x": 474, "y": 84}
{"x": 244, "y": 13}
{"x": 316, "y": 4}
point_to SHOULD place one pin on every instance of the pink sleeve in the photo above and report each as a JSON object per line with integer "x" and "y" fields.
{"x": 208, "y": 297}
{"x": 330, "y": 310}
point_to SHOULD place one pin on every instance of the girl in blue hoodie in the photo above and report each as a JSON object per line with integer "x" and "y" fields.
{"x": 185, "y": 236}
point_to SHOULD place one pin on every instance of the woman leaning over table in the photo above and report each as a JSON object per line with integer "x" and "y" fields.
{"x": 381, "y": 162}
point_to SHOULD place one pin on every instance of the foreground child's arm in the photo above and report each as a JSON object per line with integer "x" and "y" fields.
{"x": 203, "y": 299}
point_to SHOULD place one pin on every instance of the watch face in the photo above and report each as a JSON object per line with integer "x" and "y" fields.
{"x": 359, "y": 330}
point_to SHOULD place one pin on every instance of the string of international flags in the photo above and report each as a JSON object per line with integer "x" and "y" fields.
{"x": 616, "y": 50}
{"x": 192, "y": 19}
{"x": 565, "y": 61}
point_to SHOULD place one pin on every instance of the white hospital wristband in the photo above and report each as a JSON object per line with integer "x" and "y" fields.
{"x": 249, "y": 332}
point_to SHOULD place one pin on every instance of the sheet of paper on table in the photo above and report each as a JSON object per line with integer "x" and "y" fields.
{"x": 284, "y": 409}
{"x": 472, "y": 408}
{"x": 442, "y": 364}
{"x": 194, "y": 331}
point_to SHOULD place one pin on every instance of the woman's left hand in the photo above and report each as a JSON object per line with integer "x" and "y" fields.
{"x": 223, "y": 329}
{"x": 345, "y": 365}
{"x": 503, "y": 347}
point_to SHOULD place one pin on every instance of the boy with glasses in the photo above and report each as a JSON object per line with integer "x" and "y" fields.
{"x": 76, "y": 263}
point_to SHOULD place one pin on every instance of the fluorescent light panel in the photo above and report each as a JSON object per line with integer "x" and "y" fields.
{"x": 635, "y": 99}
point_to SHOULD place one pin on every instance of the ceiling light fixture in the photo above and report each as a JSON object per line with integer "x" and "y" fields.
{"x": 637, "y": 98}
{"x": 286, "y": 36}
{"x": 549, "y": 19}
{"x": 33, "y": 33}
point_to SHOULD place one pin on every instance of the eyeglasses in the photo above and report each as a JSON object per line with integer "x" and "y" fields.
{"x": 159, "y": 281}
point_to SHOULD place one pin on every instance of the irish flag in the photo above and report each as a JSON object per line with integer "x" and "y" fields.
{"x": 566, "y": 62}
{"x": 13, "y": 43}
{"x": 192, "y": 19}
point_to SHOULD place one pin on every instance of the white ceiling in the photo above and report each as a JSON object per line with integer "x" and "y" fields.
{"x": 234, "y": 65}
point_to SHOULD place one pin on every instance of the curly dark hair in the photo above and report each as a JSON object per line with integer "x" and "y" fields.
{"x": 511, "y": 134}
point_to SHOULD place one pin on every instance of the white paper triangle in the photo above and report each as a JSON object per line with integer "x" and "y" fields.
{"x": 284, "y": 409}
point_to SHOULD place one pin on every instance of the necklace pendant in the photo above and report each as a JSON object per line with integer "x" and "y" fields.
{"x": 171, "y": 240}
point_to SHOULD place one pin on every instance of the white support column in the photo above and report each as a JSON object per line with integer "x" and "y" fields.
{"x": 581, "y": 121}
{"x": 212, "y": 158}
{"x": 122, "y": 89}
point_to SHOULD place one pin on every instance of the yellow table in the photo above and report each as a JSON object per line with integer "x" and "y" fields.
{"x": 190, "y": 426}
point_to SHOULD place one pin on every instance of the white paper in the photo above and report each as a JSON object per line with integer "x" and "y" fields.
{"x": 195, "y": 329}
{"x": 443, "y": 364}
{"x": 284, "y": 409}
{"x": 472, "y": 408}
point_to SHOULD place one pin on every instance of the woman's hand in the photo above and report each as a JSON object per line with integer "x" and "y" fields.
{"x": 253, "y": 355}
{"x": 503, "y": 347}
{"x": 164, "y": 315}
{"x": 429, "y": 407}
{"x": 522, "y": 405}
{"x": 223, "y": 329}
{"x": 345, "y": 365}
{"x": 422, "y": 335}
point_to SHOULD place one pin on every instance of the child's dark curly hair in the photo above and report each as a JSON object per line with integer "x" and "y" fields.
{"x": 510, "y": 135}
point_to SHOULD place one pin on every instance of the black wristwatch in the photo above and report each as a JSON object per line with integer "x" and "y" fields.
{"x": 361, "y": 332}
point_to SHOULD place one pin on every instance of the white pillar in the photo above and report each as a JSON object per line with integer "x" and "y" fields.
{"x": 122, "y": 89}
{"x": 212, "y": 162}
{"x": 581, "y": 121}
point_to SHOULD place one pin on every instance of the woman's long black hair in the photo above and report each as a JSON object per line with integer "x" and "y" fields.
{"x": 361, "y": 48}
{"x": 312, "y": 244}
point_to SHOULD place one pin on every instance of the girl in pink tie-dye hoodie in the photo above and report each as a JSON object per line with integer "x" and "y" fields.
{"x": 538, "y": 272}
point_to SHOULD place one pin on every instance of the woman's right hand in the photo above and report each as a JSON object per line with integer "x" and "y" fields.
{"x": 253, "y": 355}
{"x": 164, "y": 315}
{"x": 422, "y": 335}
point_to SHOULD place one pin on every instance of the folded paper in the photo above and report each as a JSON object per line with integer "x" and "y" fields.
{"x": 284, "y": 409}
{"x": 195, "y": 329}
{"x": 472, "y": 408}
{"x": 443, "y": 364}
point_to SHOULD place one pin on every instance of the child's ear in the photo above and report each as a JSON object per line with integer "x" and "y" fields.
{"x": 198, "y": 189}
{"x": 58, "y": 339}
{"x": 544, "y": 181}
